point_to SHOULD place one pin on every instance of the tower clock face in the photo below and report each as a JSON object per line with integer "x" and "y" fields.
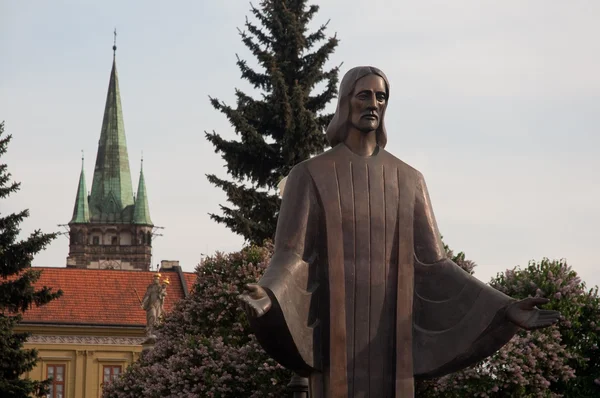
{"x": 110, "y": 264}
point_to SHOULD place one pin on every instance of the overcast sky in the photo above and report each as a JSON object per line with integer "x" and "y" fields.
{"x": 496, "y": 102}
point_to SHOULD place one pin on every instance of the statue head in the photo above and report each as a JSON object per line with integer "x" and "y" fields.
{"x": 348, "y": 114}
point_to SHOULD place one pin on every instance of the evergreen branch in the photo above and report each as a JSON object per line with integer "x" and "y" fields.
{"x": 317, "y": 36}
{"x": 9, "y": 226}
{"x": 16, "y": 256}
{"x": 307, "y": 16}
{"x": 239, "y": 122}
{"x": 18, "y": 295}
{"x": 242, "y": 163}
{"x": 4, "y": 174}
{"x": 264, "y": 20}
{"x": 263, "y": 55}
{"x": 259, "y": 34}
{"x": 252, "y": 219}
{"x": 319, "y": 102}
{"x": 12, "y": 188}
{"x": 317, "y": 59}
{"x": 258, "y": 80}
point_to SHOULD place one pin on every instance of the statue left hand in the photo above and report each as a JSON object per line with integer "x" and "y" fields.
{"x": 525, "y": 314}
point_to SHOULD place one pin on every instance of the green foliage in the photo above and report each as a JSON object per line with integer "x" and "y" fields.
{"x": 285, "y": 126}
{"x": 205, "y": 347}
{"x": 17, "y": 292}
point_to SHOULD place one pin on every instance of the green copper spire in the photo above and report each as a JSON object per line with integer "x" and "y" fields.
{"x": 112, "y": 193}
{"x": 141, "y": 213}
{"x": 81, "y": 211}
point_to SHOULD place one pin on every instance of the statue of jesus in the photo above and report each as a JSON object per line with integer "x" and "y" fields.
{"x": 359, "y": 295}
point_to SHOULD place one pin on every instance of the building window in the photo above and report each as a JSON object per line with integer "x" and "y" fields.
{"x": 57, "y": 384}
{"x": 96, "y": 240}
{"x": 110, "y": 373}
{"x": 113, "y": 240}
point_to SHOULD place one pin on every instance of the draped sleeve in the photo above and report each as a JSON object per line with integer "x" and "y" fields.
{"x": 457, "y": 319}
{"x": 287, "y": 331}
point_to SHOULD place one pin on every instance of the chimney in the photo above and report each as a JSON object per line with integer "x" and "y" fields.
{"x": 168, "y": 265}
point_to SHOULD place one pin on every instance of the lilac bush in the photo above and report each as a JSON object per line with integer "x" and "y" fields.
{"x": 460, "y": 260}
{"x": 205, "y": 347}
{"x": 560, "y": 361}
{"x": 580, "y": 307}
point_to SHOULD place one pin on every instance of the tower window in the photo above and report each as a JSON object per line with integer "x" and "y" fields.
{"x": 113, "y": 240}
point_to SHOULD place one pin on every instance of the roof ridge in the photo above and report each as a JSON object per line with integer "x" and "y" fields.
{"x": 77, "y": 269}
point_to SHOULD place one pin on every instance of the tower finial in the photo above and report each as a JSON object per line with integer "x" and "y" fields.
{"x": 142, "y": 162}
{"x": 115, "y": 43}
{"x": 82, "y": 158}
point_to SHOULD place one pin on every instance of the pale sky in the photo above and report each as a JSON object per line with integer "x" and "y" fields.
{"x": 496, "y": 102}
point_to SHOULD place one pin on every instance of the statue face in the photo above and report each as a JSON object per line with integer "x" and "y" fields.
{"x": 367, "y": 103}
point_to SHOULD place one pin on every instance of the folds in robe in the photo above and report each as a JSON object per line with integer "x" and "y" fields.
{"x": 363, "y": 295}
{"x": 457, "y": 319}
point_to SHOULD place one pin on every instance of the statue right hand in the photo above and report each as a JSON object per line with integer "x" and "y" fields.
{"x": 256, "y": 301}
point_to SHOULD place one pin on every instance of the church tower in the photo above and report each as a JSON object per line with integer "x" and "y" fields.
{"x": 111, "y": 228}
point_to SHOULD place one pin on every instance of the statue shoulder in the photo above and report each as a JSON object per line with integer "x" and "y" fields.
{"x": 318, "y": 162}
{"x": 404, "y": 167}
{"x": 309, "y": 166}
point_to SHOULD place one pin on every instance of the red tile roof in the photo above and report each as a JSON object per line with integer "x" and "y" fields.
{"x": 101, "y": 297}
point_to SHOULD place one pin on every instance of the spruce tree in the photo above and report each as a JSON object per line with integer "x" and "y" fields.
{"x": 17, "y": 293}
{"x": 282, "y": 128}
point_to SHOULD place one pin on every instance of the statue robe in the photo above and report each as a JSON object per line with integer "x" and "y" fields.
{"x": 363, "y": 295}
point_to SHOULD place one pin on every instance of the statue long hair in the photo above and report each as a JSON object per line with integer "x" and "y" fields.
{"x": 338, "y": 127}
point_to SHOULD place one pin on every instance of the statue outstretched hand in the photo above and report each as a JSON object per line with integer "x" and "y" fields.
{"x": 256, "y": 301}
{"x": 525, "y": 314}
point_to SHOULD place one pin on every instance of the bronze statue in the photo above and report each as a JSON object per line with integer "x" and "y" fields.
{"x": 359, "y": 296}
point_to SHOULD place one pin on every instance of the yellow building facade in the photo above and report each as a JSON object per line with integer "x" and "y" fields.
{"x": 97, "y": 328}
{"x": 82, "y": 359}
